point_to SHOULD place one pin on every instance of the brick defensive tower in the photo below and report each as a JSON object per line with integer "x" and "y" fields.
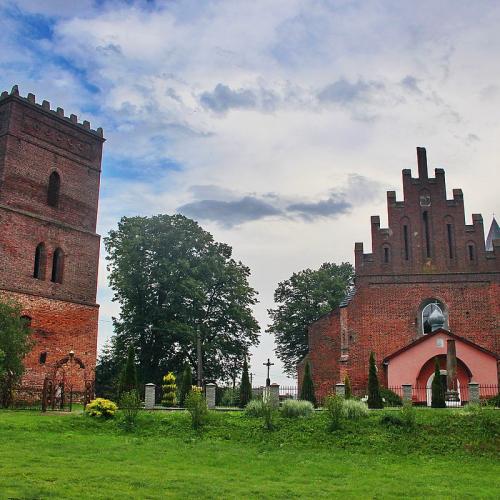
{"x": 426, "y": 258}
{"x": 50, "y": 168}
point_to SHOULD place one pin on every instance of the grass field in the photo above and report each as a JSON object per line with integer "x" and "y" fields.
{"x": 449, "y": 455}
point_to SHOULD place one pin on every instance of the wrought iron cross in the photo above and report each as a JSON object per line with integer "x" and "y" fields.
{"x": 268, "y": 364}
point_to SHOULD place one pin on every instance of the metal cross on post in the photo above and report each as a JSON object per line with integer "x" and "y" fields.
{"x": 268, "y": 364}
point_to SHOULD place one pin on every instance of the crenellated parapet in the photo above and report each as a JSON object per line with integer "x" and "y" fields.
{"x": 45, "y": 106}
{"x": 426, "y": 232}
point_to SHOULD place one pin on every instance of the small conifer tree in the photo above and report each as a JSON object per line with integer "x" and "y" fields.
{"x": 347, "y": 387}
{"x": 185, "y": 385}
{"x": 307, "y": 389}
{"x": 128, "y": 377}
{"x": 374, "y": 397}
{"x": 245, "y": 387}
{"x": 169, "y": 390}
{"x": 437, "y": 389}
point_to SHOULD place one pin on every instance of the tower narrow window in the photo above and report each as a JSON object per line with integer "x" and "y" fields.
{"x": 449, "y": 233}
{"x": 386, "y": 255}
{"x": 43, "y": 358}
{"x": 39, "y": 267}
{"x": 405, "y": 242}
{"x": 427, "y": 235}
{"x": 471, "y": 252}
{"x": 54, "y": 188}
{"x": 57, "y": 266}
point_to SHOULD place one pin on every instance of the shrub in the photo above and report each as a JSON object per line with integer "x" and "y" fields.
{"x": 128, "y": 376}
{"x": 130, "y": 404}
{"x": 334, "y": 406}
{"x": 374, "y": 397}
{"x": 354, "y": 410}
{"x": 391, "y": 419}
{"x": 255, "y": 408}
{"x": 245, "y": 394}
{"x": 101, "y": 407}
{"x": 347, "y": 387}
{"x": 296, "y": 408}
{"x": 307, "y": 389}
{"x": 390, "y": 398}
{"x": 494, "y": 401}
{"x": 437, "y": 389}
{"x": 230, "y": 397}
{"x": 408, "y": 415}
{"x": 197, "y": 407}
{"x": 185, "y": 385}
{"x": 169, "y": 390}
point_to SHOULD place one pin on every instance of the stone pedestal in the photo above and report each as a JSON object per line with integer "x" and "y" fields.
{"x": 407, "y": 392}
{"x": 210, "y": 395}
{"x": 149, "y": 396}
{"x": 340, "y": 390}
{"x": 473, "y": 392}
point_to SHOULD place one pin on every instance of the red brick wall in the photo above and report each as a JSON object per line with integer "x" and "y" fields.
{"x": 58, "y": 328}
{"x": 34, "y": 142}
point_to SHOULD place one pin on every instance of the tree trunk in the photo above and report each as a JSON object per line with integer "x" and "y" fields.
{"x": 199, "y": 359}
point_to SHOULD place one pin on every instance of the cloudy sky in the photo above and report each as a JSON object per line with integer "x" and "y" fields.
{"x": 277, "y": 124}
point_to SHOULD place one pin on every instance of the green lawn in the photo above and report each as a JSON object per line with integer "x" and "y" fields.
{"x": 449, "y": 455}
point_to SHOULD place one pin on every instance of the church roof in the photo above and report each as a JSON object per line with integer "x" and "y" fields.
{"x": 423, "y": 338}
{"x": 493, "y": 234}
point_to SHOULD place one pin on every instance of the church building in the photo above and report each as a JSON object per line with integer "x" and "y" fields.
{"x": 429, "y": 279}
{"x": 50, "y": 168}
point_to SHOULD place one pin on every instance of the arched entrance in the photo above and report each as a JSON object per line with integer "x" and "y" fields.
{"x": 442, "y": 374}
{"x": 426, "y": 376}
{"x": 63, "y": 385}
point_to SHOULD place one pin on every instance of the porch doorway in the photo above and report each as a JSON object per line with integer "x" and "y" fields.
{"x": 442, "y": 375}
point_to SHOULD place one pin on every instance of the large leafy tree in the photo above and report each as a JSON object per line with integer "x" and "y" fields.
{"x": 182, "y": 296}
{"x": 15, "y": 343}
{"x": 302, "y": 299}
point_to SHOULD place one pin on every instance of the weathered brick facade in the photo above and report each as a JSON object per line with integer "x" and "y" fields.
{"x": 38, "y": 144}
{"x": 426, "y": 255}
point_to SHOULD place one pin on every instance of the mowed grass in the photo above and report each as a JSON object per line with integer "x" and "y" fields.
{"x": 449, "y": 455}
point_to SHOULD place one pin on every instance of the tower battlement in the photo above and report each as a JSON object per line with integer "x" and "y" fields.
{"x": 45, "y": 106}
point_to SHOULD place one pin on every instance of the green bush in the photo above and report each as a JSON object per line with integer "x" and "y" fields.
{"x": 334, "y": 407}
{"x": 101, "y": 408}
{"x": 196, "y": 405}
{"x": 374, "y": 397}
{"x": 390, "y": 398}
{"x": 391, "y": 419}
{"x": 245, "y": 393}
{"x": 255, "y": 408}
{"x": 307, "y": 388}
{"x": 128, "y": 376}
{"x": 230, "y": 397}
{"x": 408, "y": 415}
{"x": 494, "y": 401}
{"x": 292, "y": 408}
{"x": 185, "y": 385}
{"x": 130, "y": 404}
{"x": 354, "y": 410}
{"x": 438, "y": 399}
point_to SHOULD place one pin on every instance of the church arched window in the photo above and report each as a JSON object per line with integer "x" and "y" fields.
{"x": 39, "y": 265}
{"x": 53, "y": 190}
{"x": 57, "y": 266}
{"x": 429, "y": 307}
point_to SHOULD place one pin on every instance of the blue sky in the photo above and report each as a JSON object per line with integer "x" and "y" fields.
{"x": 279, "y": 125}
